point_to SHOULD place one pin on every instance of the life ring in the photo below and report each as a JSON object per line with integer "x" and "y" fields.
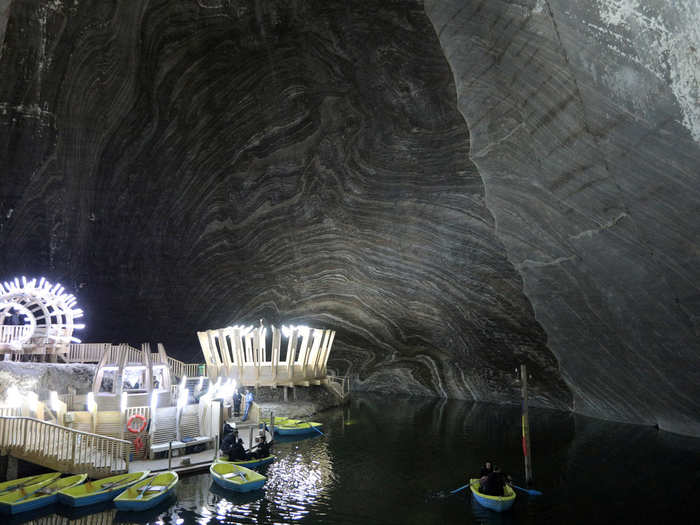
{"x": 139, "y": 429}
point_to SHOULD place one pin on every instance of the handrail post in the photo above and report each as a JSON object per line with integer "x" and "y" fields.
{"x": 23, "y": 445}
{"x": 73, "y": 446}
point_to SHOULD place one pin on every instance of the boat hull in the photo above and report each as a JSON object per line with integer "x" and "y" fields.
{"x": 297, "y": 430}
{"x": 494, "y": 503}
{"x": 248, "y": 487}
{"x": 37, "y": 502}
{"x": 226, "y": 476}
{"x": 100, "y": 496}
{"x": 135, "y": 505}
{"x": 134, "y": 499}
{"x": 252, "y": 463}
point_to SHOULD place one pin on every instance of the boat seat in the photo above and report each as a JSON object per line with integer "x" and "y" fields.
{"x": 163, "y": 447}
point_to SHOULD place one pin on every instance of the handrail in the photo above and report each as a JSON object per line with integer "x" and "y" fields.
{"x": 343, "y": 382}
{"x": 62, "y": 448}
{"x": 180, "y": 369}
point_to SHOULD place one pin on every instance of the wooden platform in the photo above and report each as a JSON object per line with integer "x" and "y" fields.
{"x": 198, "y": 461}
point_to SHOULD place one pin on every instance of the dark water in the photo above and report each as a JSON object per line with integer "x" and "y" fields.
{"x": 384, "y": 461}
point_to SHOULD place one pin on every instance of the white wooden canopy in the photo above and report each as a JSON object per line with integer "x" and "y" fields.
{"x": 296, "y": 355}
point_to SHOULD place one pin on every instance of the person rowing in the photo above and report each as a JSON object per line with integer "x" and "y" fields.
{"x": 495, "y": 482}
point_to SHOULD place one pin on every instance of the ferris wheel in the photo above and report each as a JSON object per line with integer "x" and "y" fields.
{"x": 37, "y": 317}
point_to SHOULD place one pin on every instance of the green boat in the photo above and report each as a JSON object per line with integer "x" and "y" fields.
{"x": 16, "y": 484}
{"x": 99, "y": 491}
{"x": 234, "y": 477}
{"x": 36, "y": 496}
{"x": 147, "y": 493}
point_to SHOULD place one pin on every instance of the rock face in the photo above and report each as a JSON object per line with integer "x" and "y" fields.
{"x": 585, "y": 127}
{"x": 186, "y": 164}
{"x": 42, "y": 378}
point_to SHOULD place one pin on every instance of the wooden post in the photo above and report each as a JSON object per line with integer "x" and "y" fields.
{"x": 272, "y": 425}
{"x": 250, "y": 439}
{"x": 72, "y": 454}
{"x": 170, "y": 454}
{"x": 216, "y": 448}
{"x": 527, "y": 450}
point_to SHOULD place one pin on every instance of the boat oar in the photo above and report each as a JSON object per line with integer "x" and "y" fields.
{"x": 531, "y": 492}
{"x": 317, "y": 430}
{"x": 455, "y": 491}
{"x": 42, "y": 490}
{"x": 20, "y": 486}
{"x": 145, "y": 489}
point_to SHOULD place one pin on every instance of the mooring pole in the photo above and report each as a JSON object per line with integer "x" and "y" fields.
{"x": 527, "y": 451}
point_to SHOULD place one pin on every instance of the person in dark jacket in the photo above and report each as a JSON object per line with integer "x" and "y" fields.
{"x": 486, "y": 469}
{"x": 229, "y": 439}
{"x": 495, "y": 483}
{"x": 237, "y": 403}
{"x": 262, "y": 446}
{"x": 238, "y": 452}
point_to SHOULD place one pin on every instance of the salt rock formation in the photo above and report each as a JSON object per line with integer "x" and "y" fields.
{"x": 585, "y": 127}
{"x": 189, "y": 164}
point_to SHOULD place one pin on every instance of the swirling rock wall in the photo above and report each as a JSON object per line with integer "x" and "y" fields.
{"x": 585, "y": 127}
{"x": 182, "y": 164}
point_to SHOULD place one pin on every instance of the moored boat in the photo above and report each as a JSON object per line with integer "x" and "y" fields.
{"x": 495, "y": 503}
{"x": 295, "y": 429}
{"x": 99, "y": 491}
{"x": 251, "y": 463}
{"x": 16, "y": 484}
{"x": 36, "y": 496}
{"x": 236, "y": 478}
{"x": 147, "y": 493}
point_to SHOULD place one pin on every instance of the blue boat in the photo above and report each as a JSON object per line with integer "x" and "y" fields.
{"x": 99, "y": 491}
{"x": 36, "y": 496}
{"x": 297, "y": 429}
{"x": 495, "y": 503}
{"x": 238, "y": 479}
{"x": 251, "y": 463}
{"x": 148, "y": 493}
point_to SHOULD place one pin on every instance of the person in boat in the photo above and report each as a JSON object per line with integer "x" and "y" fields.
{"x": 238, "y": 452}
{"x": 485, "y": 471}
{"x": 263, "y": 447}
{"x": 229, "y": 439}
{"x": 495, "y": 483}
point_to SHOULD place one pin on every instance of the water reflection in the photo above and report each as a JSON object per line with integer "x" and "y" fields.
{"x": 383, "y": 457}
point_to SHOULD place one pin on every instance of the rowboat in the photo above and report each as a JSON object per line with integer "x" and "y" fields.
{"x": 295, "y": 429}
{"x": 236, "y": 478}
{"x": 495, "y": 503}
{"x": 147, "y": 493}
{"x": 15, "y": 484}
{"x": 99, "y": 491}
{"x": 36, "y": 496}
{"x": 251, "y": 463}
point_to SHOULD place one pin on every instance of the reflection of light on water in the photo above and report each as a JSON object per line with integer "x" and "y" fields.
{"x": 296, "y": 481}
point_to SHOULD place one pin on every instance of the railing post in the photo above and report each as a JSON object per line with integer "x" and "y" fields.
{"x": 23, "y": 445}
{"x": 73, "y": 446}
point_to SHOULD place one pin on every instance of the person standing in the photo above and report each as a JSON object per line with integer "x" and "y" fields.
{"x": 236, "y": 403}
{"x": 248, "y": 403}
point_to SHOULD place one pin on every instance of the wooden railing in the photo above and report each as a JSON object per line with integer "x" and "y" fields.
{"x": 179, "y": 369}
{"x": 341, "y": 384}
{"x": 87, "y": 352}
{"x": 63, "y": 449}
{"x": 9, "y": 333}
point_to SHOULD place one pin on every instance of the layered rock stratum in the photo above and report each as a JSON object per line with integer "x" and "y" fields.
{"x": 584, "y": 121}
{"x": 417, "y": 177}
